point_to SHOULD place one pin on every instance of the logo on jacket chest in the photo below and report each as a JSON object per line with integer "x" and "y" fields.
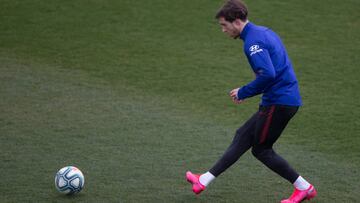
{"x": 255, "y": 49}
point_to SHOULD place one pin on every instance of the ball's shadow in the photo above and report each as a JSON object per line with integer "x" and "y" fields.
{"x": 75, "y": 196}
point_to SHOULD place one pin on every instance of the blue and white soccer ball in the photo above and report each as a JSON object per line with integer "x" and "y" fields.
{"x": 69, "y": 180}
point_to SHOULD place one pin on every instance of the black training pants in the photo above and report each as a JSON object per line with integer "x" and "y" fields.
{"x": 260, "y": 132}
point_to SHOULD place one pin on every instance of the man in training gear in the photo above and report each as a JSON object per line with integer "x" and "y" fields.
{"x": 276, "y": 81}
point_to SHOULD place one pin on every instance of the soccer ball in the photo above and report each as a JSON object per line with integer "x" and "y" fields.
{"x": 69, "y": 180}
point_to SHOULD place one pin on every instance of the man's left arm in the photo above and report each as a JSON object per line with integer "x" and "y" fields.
{"x": 260, "y": 61}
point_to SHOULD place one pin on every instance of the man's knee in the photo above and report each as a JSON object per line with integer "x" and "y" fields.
{"x": 261, "y": 152}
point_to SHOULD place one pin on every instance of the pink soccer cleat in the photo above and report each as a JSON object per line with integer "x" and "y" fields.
{"x": 197, "y": 187}
{"x": 301, "y": 195}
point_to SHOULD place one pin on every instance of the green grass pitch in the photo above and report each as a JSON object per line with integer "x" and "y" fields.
{"x": 134, "y": 93}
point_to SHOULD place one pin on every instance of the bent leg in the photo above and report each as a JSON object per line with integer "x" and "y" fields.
{"x": 275, "y": 162}
{"x": 272, "y": 121}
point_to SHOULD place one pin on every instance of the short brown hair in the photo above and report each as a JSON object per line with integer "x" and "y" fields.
{"x": 232, "y": 10}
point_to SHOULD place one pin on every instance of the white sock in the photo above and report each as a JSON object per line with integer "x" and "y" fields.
{"x": 206, "y": 178}
{"x": 301, "y": 184}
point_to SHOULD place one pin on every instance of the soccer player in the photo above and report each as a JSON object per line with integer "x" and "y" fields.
{"x": 276, "y": 81}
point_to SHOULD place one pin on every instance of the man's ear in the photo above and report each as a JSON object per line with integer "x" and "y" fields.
{"x": 237, "y": 22}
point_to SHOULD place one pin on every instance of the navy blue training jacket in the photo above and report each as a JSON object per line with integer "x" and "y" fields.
{"x": 275, "y": 77}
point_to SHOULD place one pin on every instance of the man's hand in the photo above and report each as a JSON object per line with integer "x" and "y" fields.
{"x": 233, "y": 94}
